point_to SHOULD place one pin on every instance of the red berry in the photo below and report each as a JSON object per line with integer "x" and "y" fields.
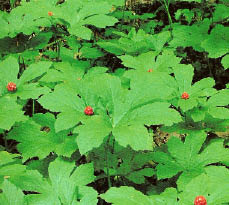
{"x": 150, "y": 70}
{"x": 50, "y": 13}
{"x": 200, "y": 200}
{"x": 185, "y": 96}
{"x": 11, "y": 86}
{"x": 88, "y": 110}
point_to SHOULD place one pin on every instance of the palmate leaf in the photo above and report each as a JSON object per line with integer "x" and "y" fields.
{"x": 126, "y": 110}
{"x": 86, "y": 13}
{"x": 66, "y": 102}
{"x": 184, "y": 35}
{"x": 27, "y": 20}
{"x": 25, "y": 88}
{"x": 216, "y": 43}
{"x": 146, "y": 61}
{"x": 127, "y": 116}
{"x": 135, "y": 42}
{"x": 33, "y": 141}
{"x": 68, "y": 74}
{"x": 187, "y": 160}
{"x": 65, "y": 187}
{"x": 213, "y": 185}
{"x": 198, "y": 92}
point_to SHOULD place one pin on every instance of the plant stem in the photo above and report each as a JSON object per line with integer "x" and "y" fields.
{"x": 5, "y": 141}
{"x": 107, "y": 161}
{"x": 33, "y": 108}
{"x": 166, "y": 5}
{"x": 124, "y": 8}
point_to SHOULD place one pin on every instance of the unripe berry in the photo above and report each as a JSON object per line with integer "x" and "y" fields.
{"x": 11, "y": 86}
{"x": 185, "y": 96}
{"x": 200, "y": 200}
{"x": 88, "y": 110}
{"x": 50, "y": 13}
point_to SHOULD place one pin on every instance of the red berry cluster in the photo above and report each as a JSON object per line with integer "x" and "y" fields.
{"x": 50, "y": 13}
{"x": 200, "y": 200}
{"x": 88, "y": 110}
{"x": 185, "y": 96}
{"x": 11, "y": 86}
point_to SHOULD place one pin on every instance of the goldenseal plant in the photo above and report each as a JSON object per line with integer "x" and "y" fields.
{"x": 114, "y": 102}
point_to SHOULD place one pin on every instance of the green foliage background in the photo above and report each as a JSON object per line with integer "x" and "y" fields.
{"x": 131, "y": 62}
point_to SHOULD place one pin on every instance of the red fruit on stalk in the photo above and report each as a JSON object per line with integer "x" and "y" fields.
{"x": 185, "y": 96}
{"x": 11, "y": 86}
{"x": 200, "y": 200}
{"x": 88, "y": 110}
{"x": 50, "y": 13}
{"x": 150, "y": 70}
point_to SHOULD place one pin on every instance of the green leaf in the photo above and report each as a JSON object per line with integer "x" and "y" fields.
{"x": 147, "y": 61}
{"x": 59, "y": 173}
{"x": 212, "y": 184}
{"x": 221, "y": 12}
{"x": 9, "y": 69}
{"x": 10, "y": 113}
{"x": 90, "y": 52}
{"x": 183, "y": 76}
{"x": 32, "y": 90}
{"x": 111, "y": 46}
{"x": 134, "y": 135}
{"x": 88, "y": 195}
{"x": 82, "y": 32}
{"x": 33, "y": 141}
{"x": 201, "y": 85}
{"x": 34, "y": 71}
{"x": 153, "y": 113}
{"x": 101, "y": 20}
{"x": 221, "y": 98}
{"x": 84, "y": 174}
{"x": 188, "y": 104}
{"x": 67, "y": 119}
{"x": 219, "y": 112}
{"x": 216, "y": 43}
{"x": 138, "y": 176}
{"x": 188, "y": 160}
{"x": 65, "y": 184}
{"x": 7, "y": 157}
{"x": 118, "y": 196}
{"x": 184, "y": 35}
{"x": 54, "y": 101}
{"x": 94, "y": 131}
{"x": 87, "y": 14}
{"x": 225, "y": 62}
{"x": 10, "y": 166}
{"x": 11, "y": 194}
{"x": 169, "y": 196}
